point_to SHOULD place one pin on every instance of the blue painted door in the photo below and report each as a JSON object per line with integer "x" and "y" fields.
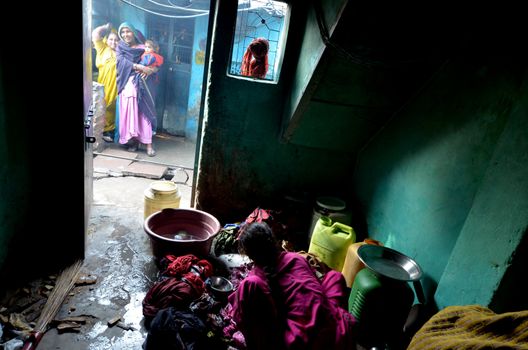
{"x": 175, "y": 37}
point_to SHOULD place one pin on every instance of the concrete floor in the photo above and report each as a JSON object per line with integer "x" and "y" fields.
{"x": 118, "y": 254}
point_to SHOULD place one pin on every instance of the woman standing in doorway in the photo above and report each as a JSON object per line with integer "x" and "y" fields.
{"x": 137, "y": 117}
{"x": 105, "y": 42}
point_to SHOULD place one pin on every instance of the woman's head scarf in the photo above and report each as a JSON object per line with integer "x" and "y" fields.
{"x": 255, "y": 60}
{"x": 140, "y": 39}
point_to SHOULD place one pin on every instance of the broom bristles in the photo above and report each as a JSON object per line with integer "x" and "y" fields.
{"x": 64, "y": 284}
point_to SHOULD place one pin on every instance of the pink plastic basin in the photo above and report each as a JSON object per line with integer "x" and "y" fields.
{"x": 181, "y": 231}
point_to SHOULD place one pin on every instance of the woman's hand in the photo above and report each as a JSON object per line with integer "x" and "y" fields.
{"x": 143, "y": 70}
{"x": 147, "y": 71}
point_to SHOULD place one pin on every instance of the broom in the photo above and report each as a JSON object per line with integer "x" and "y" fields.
{"x": 65, "y": 282}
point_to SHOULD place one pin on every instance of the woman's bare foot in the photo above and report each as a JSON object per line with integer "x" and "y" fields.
{"x": 150, "y": 150}
{"x": 133, "y": 146}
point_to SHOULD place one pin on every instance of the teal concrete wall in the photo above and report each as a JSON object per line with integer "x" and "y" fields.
{"x": 444, "y": 182}
{"x": 309, "y": 56}
{"x": 243, "y": 161}
{"x": 496, "y": 223}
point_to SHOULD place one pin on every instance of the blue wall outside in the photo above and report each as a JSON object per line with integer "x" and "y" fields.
{"x": 196, "y": 81}
{"x": 135, "y": 17}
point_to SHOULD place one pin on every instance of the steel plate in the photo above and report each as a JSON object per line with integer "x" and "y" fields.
{"x": 389, "y": 263}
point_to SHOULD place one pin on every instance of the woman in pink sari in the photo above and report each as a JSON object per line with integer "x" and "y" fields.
{"x": 137, "y": 116}
{"x": 281, "y": 304}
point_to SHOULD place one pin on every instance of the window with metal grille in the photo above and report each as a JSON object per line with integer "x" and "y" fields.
{"x": 259, "y": 38}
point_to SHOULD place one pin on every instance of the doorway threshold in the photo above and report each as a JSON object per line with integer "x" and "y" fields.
{"x": 174, "y": 160}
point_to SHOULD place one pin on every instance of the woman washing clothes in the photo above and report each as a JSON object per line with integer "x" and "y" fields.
{"x": 281, "y": 304}
{"x": 136, "y": 111}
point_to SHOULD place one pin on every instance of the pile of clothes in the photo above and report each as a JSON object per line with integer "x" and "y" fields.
{"x": 179, "y": 310}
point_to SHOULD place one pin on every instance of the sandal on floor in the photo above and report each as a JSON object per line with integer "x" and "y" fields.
{"x": 151, "y": 152}
{"x": 133, "y": 147}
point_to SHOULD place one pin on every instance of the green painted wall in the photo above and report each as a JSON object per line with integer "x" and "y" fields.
{"x": 243, "y": 161}
{"x": 311, "y": 52}
{"x": 424, "y": 184}
{"x": 309, "y": 55}
{"x": 496, "y": 223}
{"x": 445, "y": 181}
{"x": 343, "y": 99}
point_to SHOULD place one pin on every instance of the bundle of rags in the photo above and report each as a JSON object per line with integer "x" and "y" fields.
{"x": 65, "y": 282}
{"x": 469, "y": 327}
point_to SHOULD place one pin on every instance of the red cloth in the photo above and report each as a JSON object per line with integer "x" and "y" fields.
{"x": 303, "y": 314}
{"x": 181, "y": 265}
{"x": 255, "y": 60}
{"x": 170, "y": 292}
{"x": 181, "y": 288}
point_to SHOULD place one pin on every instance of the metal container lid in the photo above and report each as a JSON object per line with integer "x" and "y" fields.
{"x": 331, "y": 203}
{"x": 389, "y": 263}
{"x": 164, "y": 187}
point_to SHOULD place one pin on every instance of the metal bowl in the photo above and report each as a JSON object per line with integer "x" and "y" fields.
{"x": 389, "y": 263}
{"x": 220, "y": 286}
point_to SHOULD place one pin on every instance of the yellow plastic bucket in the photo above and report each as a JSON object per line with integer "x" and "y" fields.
{"x": 159, "y": 195}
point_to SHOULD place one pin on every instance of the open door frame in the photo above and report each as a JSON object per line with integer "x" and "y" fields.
{"x": 87, "y": 112}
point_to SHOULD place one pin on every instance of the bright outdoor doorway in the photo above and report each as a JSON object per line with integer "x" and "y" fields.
{"x": 180, "y": 28}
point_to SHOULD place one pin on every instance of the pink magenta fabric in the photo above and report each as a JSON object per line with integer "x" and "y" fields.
{"x": 295, "y": 310}
{"x": 131, "y": 123}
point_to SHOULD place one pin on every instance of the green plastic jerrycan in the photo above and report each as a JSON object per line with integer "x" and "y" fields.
{"x": 330, "y": 242}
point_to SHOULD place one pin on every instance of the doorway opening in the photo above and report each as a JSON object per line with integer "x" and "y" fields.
{"x": 180, "y": 29}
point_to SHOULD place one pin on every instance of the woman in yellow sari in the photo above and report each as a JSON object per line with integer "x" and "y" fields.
{"x": 105, "y": 61}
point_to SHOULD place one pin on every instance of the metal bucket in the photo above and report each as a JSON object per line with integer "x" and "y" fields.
{"x": 332, "y": 207}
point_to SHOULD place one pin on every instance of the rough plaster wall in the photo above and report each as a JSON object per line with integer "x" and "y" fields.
{"x": 243, "y": 162}
{"x": 305, "y": 76}
{"x": 511, "y": 294}
{"x": 417, "y": 181}
{"x": 496, "y": 223}
{"x": 310, "y": 53}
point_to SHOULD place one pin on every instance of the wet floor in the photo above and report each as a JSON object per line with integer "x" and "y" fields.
{"x": 118, "y": 257}
{"x": 118, "y": 254}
